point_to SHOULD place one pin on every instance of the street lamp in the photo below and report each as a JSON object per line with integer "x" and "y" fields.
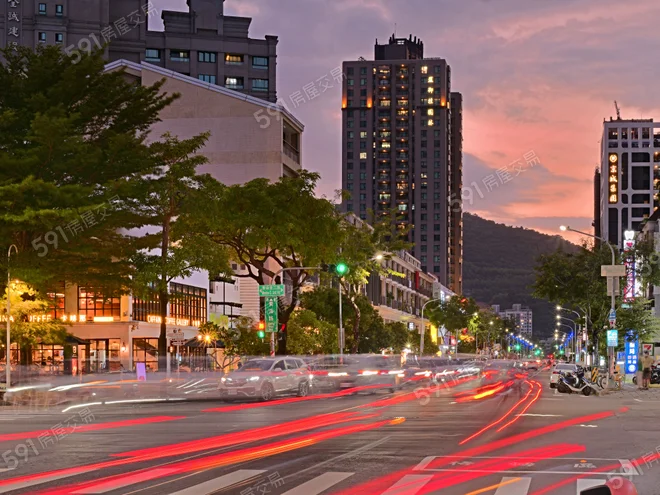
{"x": 8, "y": 352}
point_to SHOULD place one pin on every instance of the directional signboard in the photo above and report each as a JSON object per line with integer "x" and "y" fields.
{"x": 271, "y": 314}
{"x": 612, "y": 338}
{"x": 632, "y": 350}
{"x": 178, "y": 342}
{"x": 271, "y": 290}
{"x": 175, "y": 334}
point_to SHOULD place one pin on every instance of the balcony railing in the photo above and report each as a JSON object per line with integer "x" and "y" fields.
{"x": 291, "y": 152}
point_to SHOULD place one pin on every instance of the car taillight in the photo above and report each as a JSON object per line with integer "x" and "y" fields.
{"x": 555, "y": 372}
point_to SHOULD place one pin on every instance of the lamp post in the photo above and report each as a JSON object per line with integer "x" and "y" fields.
{"x": 613, "y": 299}
{"x": 423, "y": 329}
{"x": 8, "y": 367}
{"x": 578, "y": 330}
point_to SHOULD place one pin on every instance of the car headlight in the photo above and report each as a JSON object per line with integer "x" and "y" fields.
{"x": 223, "y": 379}
{"x": 254, "y": 378}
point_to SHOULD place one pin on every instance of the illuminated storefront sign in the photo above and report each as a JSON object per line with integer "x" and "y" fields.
{"x": 613, "y": 179}
{"x": 43, "y": 318}
{"x": 633, "y": 286}
{"x": 632, "y": 350}
{"x": 182, "y": 322}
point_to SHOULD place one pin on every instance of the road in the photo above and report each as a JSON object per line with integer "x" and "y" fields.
{"x": 404, "y": 443}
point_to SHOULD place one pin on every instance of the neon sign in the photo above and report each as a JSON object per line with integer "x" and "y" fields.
{"x": 182, "y": 322}
{"x": 613, "y": 179}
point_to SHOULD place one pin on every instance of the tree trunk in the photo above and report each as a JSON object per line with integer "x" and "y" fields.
{"x": 163, "y": 296}
{"x": 356, "y": 326}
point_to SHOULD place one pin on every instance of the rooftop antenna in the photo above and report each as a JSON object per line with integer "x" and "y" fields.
{"x": 395, "y": 29}
{"x": 618, "y": 113}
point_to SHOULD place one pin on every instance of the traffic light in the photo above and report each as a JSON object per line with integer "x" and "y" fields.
{"x": 340, "y": 269}
{"x": 517, "y": 347}
{"x": 283, "y": 327}
{"x": 261, "y": 327}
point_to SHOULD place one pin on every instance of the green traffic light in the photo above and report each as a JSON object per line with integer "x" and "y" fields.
{"x": 261, "y": 334}
{"x": 341, "y": 269}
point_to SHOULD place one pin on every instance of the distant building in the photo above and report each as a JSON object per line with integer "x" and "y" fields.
{"x": 203, "y": 43}
{"x": 630, "y": 153}
{"x": 402, "y": 150}
{"x": 521, "y": 316}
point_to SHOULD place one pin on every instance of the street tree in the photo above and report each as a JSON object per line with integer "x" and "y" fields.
{"x": 69, "y": 134}
{"x": 240, "y": 339}
{"x": 454, "y": 314}
{"x": 167, "y": 248}
{"x": 308, "y": 335}
{"x": 269, "y": 226}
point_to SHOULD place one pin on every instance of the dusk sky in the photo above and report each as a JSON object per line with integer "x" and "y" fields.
{"x": 536, "y": 76}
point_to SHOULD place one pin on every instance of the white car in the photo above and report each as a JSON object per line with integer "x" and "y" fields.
{"x": 558, "y": 368}
{"x": 264, "y": 378}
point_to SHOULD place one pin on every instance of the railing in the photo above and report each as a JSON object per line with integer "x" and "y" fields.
{"x": 291, "y": 152}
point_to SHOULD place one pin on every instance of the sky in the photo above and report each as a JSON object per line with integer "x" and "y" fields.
{"x": 537, "y": 77}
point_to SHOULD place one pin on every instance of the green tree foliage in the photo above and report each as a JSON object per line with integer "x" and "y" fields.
{"x": 238, "y": 340}
{"x": 270, "y": 226}
{"x": 309, "y": 335}
{"x": 157, "y": 200}
{"x": 27, "y": 327}
{"x": 454, "y": 314}
{"x": 636, "y": 317}
{"x": 69, "y": 134}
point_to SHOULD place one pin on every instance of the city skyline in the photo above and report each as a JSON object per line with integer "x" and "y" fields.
{"x": 563, "y": 64}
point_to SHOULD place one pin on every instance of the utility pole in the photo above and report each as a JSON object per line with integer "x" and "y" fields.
{"x": 8, "y": 367}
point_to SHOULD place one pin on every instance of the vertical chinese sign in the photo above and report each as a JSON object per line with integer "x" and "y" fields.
{"x": 14, "y": 17}
{"x": 613, "y": 179}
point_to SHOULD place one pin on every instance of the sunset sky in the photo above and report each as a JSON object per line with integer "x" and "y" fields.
{"x": 536, "y": 76}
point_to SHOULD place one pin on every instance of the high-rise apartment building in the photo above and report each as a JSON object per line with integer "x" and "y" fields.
{"x": 402, "y": 150}
{"x": 519, "y": 315}
{"x": 630, "y": 156}
{"x": 202, "y": 43}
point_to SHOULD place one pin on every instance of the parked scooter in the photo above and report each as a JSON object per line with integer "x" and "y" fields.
{"x": 575, "y": 382}
{"x": 655, "y": 375}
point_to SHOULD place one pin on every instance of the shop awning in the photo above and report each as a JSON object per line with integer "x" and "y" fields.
{"x": 196, "y": 344}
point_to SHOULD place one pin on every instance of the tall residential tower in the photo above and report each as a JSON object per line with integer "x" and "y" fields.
{"x": 402, "y": 150}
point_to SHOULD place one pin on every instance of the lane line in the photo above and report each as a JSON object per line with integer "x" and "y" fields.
{"x": 583, "y": 484}
{"x": 628, "y": 468}
{"x": 410, "y": 484}
{"x": 492, "y": 487}
{"x": 618, "y": 473}
{"x": 514, "y": 486}
{"x": 216, "y": 484}
{"x": 116, "y": 484}
{"x": 19, "y": 485}
{"x": 425, "y": 462}
{"x": 318, "y": 484}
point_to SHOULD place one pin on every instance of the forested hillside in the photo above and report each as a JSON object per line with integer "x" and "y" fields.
{"x": 498, "y": 266}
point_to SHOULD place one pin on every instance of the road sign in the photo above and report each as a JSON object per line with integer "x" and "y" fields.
{"x": 613, "y": 270}
{"x": 175, "y": 334}
{"x": 612, "y": 314}
{"x": 271, "y": 314}
{"x": 612, "y": 338}
{"x": 178, "y": 342}
{"x": 271, "y": 290}
{"x": 632, "y": 350}
{"x": 647, "y": 348}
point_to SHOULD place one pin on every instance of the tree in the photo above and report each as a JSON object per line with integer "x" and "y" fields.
{"x": 158, "y": 202}
{"x": 455, "y": 313}
{"x": 636, "y": 317}
{"x": 28, "y": 326}
{"x": 309, "y": 335}
{"x": 69, "y": 134}
{"x": 238, "y": 340}
{"x": 573, "y": 280}
{"x": 268, "y": 227}
{"x": 363, "y": 249}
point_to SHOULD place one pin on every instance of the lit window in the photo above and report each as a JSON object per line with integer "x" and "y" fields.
{"x": 363, "y": 155}
{"x": 363, "y": 134}
{"x": 430, "y": 122}
{"x": 429, "y": 90}
{"x": 430, "y": 80}
{"x": 180, "y": 55}
{"x": 59, "y": 38}
{"x": 152, "y": 55}
{"x": 425, "y": 69}
{"x": 234, "y": 82}
{"x": 429, "y": 101}
{"x": 429, "y": 111}
{"x": 233, "y": 59}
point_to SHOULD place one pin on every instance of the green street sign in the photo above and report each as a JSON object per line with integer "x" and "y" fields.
{"x": 271, "y": 314}
{"x": 271, "y": 290}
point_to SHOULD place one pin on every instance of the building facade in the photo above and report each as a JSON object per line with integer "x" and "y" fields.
{"x": 203, "y": 43}
{"x": 402, "y": 150}
{"x": 521, "y": 317}
{"x": 630, "y": 155}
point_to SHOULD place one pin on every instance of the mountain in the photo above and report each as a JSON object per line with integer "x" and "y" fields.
{"x": 498, "y": 267}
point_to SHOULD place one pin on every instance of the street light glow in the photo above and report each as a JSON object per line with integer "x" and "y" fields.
{"x": 558, "y": 308}
{"x": 563, "y": 228}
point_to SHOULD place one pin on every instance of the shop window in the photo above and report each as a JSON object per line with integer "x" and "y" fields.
{"x": 188, "y": 302}
{"x": 93, "y": 302}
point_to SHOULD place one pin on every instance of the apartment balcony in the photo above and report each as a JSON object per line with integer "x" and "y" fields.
{"x": 385, "y": 156}
{"x": 291, "y": 152}
{"x": 402, "y": 156}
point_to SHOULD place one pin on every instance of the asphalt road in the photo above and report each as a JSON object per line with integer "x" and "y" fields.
{"x": 406, "y": 443}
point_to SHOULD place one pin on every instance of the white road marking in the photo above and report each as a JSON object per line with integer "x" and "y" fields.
{"x": 216, "y": 484}
{"x": 318, "y": 484}
{"x": 542, "y": 415}
{"x": 583, "y": 484}
{"x": 508, "y": 471}
{"x": 19, "y": 485}
{"x": 520, "y": 487}
{"x": 628, "y": 467}
{"x": 114, "y": 484}
{"x": 425, "y": 462}
{"x": 410, "y": 484}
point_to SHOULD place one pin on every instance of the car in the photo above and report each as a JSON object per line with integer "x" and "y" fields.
{"x": 371, "y": 372}
{"x": 329, "y": 371}
{"x": 266, "y": 378}
{"x": 531, "y": 365}
{"x": 558, "y": 369}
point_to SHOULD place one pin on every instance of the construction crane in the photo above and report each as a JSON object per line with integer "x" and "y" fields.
{"x": 618, "y": 113}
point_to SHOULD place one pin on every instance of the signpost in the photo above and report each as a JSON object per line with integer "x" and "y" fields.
{"x": 275, "y": 290}
{"x": 271, "y": 293}
{"x": 612, "y": 338}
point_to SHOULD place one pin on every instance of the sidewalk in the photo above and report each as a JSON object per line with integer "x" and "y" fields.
{"x": 631, "y": 391}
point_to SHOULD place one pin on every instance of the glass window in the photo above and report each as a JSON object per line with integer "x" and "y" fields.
{"x": 207, "y": 78}
{"x": 42, "y": 9}
{"x": 59, "y": 38}
{"x": 59, "y": 10}
{"x": 207, "y": 57}
{"x": 259, "y": 62}
{"x": 187, "y": 301}
{"x": 234, "y": 82}
{"x": 42, "y": 37}
{"x": 152, "y": 55}
{"x": 95, "y": 302}
{"x": 56, "y": 298}
{"x": 145, "y": 307}
{"x": 363, "y": 165}
{"x": 146, "y": 351}
{"x": 259, "y": 84}
{"x": 233, "y": 59}
{"x": 179, "y": 55}
{"x": 363, "y": 81}
{"x": 349, "y": 71}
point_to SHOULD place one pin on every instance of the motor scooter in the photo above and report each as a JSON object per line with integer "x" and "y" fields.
{"x": 655, "y": 375}
{"x": 574, "y": 382}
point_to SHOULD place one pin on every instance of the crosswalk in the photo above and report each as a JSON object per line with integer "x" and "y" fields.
{"x": 246, "y": 482}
